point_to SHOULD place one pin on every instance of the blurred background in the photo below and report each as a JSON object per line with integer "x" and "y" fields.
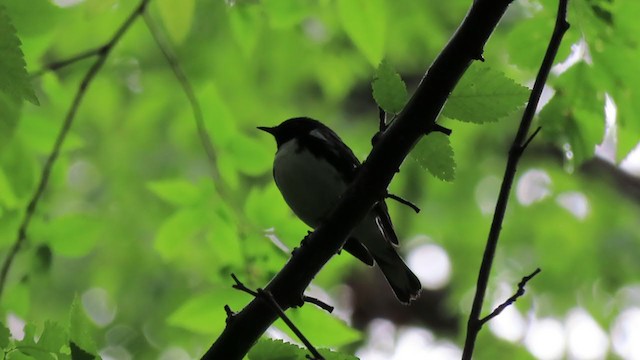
{"x": 145, "y": 229}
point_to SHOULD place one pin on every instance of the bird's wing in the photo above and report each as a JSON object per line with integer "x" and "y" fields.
{"x": 384, "y": 221}
{"x": 359, "y": 251}
{"x": 341, "y": 156}
{"x": 324, "y": 142}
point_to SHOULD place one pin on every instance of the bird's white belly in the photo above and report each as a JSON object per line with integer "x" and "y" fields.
{"x": 309, "y": 185}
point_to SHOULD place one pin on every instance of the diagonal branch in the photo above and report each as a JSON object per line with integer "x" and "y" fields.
{"x": 521, "y": 290}
{"x": 268, "y": 297}
{"x": 186, "y": 87}
{"x": 418, "y": 118}
{"x": 56, "y": 65}
{"x": 520, "y": 142}
{"x": 103, "y": 53}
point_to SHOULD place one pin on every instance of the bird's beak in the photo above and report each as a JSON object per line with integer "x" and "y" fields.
{"x": 270, "y": 130}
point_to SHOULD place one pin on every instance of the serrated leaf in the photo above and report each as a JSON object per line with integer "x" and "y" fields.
{"x": 267, "y": 349}
{"x": 177, "y": 17}
{"x": 14, "y": 80}
{"x": 77, "y": 353}
{"x": 80, "y": 339}
{"x": 389, "y": 91}
{"x": 365, "y": 21}
{"x": 435, "y": 154}
{"x": 54, "y": 337}
{"x": 484, "y": 95}
{"x": 320, "y": 327}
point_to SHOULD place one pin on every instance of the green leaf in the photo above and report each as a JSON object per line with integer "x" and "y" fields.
{"x": 174, "y": 232}
{"x": 77, "y": 353}
{"x": 249, "y": 156}
{"x": 286, "y": 14}
{"x": 33, "y": 18}
{"x": 217, "y": 115}
{"x": 54, "y": 337}
{"x": 69, "y": 235}
{"x": 365, "y": 21}
{"x": 575, "y": 115}
{"x": 5, "y": 334}
{"x": 204, "y": 313}
{"x": 320, "y": 327}
{"x": 434, "y": 153}
{"x": 8, "y": 198}
{"x": 81, "y": 342}
{"x": 267, "y": 349}
{"x": 14, "y": 79}
{"x": 246, "y": 23}
{"x": 10, "y": 107}
{"x": 389, "y": 91}
{"x": 177, "y": 17}
{"x": 177, "y": 192}
{"x": 17, "y": 298}
{"x": 484, "y": 95}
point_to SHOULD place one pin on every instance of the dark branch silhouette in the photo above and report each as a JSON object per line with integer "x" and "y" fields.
{"x": 417, "y": 119}
{"x": 268, "y": 297}
{"x": 520, "y": 142}
{"x": 57, "y": 65}
{"x": 102, "y": 53}
{"x": 512, "y": 299}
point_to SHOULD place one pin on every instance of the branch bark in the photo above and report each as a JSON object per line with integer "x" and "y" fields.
{"x": 417, "y": 119}
{"x": 520, "y": 143}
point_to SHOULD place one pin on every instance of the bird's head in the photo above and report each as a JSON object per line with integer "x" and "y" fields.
{"x": 291, "y": 129}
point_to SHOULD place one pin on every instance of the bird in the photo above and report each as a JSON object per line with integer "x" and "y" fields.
{"x": 312, "y": 169}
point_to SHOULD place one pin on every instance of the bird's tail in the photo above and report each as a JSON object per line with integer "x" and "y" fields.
{"x": 403, "y": 281}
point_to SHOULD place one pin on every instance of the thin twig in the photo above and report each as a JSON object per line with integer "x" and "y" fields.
{"x": 56, "y": 65}
{"x": 370, "y": 183}
{"x": 66, "y": 126}
{"x": 186, "y": 86}
{"x": 402, "y": 201}
{"x": 266, "y": 295}
{"x": 290, "y": 324}
{"x": 535, "y": 133}
{"x": 474, "y": 324}
{"x": 512, "y": 299}
{"x": 319, "y": 303}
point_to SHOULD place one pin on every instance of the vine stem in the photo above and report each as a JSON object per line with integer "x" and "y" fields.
{"x": 520, "y": 143}
{"x": 102, "y": 53}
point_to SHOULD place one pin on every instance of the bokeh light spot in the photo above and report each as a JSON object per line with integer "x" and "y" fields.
{"x": 431, "y": 265}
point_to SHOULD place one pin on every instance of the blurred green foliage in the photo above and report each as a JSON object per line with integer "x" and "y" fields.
{"x": 135, "y": 227}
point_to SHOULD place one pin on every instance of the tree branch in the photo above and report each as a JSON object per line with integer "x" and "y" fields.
{"x": 102, "y": 52}
{"x": 521, "y": 290}
{"x": 164, "y": 47}
{"x": 520, "y": 142}
{"x": 268, "y": 297}
{"x": 53, "y": 66}
{"x": 371, "y": 182}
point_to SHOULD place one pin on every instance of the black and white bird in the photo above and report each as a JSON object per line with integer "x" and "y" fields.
{"x": 312, "y": 169}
